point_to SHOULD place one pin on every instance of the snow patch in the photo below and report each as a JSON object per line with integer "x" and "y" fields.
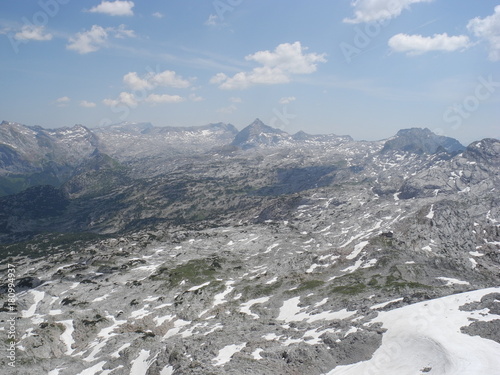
{"x": 291, "y": 312}
{"x": 195, "y": 288}
{"x": 256, "y": 354}
{"x": 67, "y": 335}
{"x": 357, "y": 250}
{"x": 93, "y": 370}
{"x": 37, "y": 297}
{"x": 384, "y": 304}
{"x": 167, "y": 370}
{"x": 140, "y": 365}
{"x": 220, "y": 298}
{"x": 450, "y": 281}
{"x": 226, "y": 353}
{"x": 245, "y": 307}
{"x": 427, "y": 335}
{"x": 430, "y": 215}
{"x": 117, "y": 353}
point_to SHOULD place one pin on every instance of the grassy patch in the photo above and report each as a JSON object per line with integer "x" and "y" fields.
{"x": 351, "y": 289}
{"x": 306, "y": 285}
{"x": 195, "y": 271}
{"x": 261, "y": 290}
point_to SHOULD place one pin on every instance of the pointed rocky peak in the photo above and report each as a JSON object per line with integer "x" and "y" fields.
{"x": 258, "y": 133}
{"x": 259, "y": 127}
{"x": 422, "y": 141}
{"x": 301, "y": 136}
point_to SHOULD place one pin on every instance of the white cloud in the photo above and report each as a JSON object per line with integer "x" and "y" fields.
{"x": 87, "y": 104}
{"x": 488, "y": 28}
{"x": 31, "y": 32}
{"x": 88, "y": 41}
{"x": 125, "y": 98}
{"x": 96, "y": 38}
{"x": 218, "y": 78}
{"x": 133, "y": 81}
{"x": 379, "y": 10}
{"x": 418, "y": 44}
{"x": 62, "y": 101}
{"x": 114, "y": 8}
{"x": 287, "y": 100}
{"x": 121, "y": 32}
{"x": 278, "y": 66}
{"x": 158, "y": 15}
{"x": 167, "y": 78}
{"x": 196, "y": 98}
{"x": 164, "y": 98}
{"x": 233, "y": 99}
{"x": 229, "y": 109}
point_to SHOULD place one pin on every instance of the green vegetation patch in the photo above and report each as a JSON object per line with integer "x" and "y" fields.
{"x": 351, "y": 289}
{"x": 195, "y": 271}
{"x": 306, "y": 285}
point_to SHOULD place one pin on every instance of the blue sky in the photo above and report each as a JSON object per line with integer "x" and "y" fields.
{"x": 366, "y": 68}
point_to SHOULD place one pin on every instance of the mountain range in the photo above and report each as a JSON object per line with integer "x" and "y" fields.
{"x": 207, "y": 250}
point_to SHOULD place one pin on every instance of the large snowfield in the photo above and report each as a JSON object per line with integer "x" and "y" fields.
{"x": 426, "y": 338}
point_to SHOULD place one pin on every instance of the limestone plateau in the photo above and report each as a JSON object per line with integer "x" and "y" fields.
{"x": 148, "y": 250}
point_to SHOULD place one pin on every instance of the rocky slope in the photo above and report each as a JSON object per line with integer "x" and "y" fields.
{"x": 315, "y": 256}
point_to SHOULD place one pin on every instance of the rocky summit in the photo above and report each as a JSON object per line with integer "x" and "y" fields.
{"x": 133, "y": 249}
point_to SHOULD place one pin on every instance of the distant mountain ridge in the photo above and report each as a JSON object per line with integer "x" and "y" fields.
{"x": 420, "y": 141}
{"x": 257, "y": 134}
{"x": 32, "y": 155}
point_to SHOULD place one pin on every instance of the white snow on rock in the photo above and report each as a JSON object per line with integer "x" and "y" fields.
{"x": 37, "y": 297}
{"x": 427, "y": 335}
{"x": 67, "y": 335}
{"x": 195, "y": 288}
{"x": 357, "y": 250}
{"x": 256, "y": 354}
{"x": 140, "y": 365}
{"x": 384, "y": 304}
{"x": 220, "y": 298}
{"x": 272, "y": 281}
{"x": 226, "y": 353}
{"x": 167, "y": 370}
{"x": 474, "y": 263}
{"x": 117, "y": 353}
{"x": 450, "y": 281}
{"x": 178, "y": 325}
{"x": 245, "y": 307}
{"x": 93, "y": 370}
{"x": 430, "y": 215}
{"x": 291, "y": 312}
{"x": 141, "y": 313}
{"x": 56, "y": 371}
{"x": 102, "y": 298}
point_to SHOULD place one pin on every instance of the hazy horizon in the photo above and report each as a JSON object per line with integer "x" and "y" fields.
{"x": 363, "y": 68}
